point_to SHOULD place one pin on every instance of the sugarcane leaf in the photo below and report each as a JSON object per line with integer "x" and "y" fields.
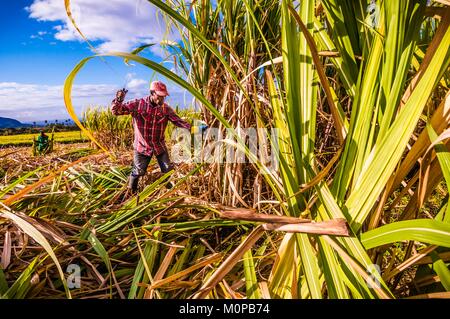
{"x": 22, "y": 285}
{"x": 443, "y": 156}
{"x": 386, "y": 154}
{"x": 31, "y": 231}
{"x": 139, "y": 50}
{"x": 441, "y": 269}
{"x": 21, "y": 179}
{"x": 167, "y": 9}
{"x": 3, "y": 283}
{"x": 423, "y": 230}
{"x": 251, "y": 283}
{"x": 310, "y": 265}
{"x": 280, "y": 279}
{"x": 333, "y": 272}
{"x": 101, "y": 251}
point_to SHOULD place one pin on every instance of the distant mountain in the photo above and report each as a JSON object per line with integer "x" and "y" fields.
{"x": 11, "y": 123}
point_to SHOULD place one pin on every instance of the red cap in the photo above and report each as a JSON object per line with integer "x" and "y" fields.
{"x": 159, "y": 87}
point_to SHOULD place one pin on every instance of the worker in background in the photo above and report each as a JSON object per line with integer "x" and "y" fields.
{"x": 42, "y": 142}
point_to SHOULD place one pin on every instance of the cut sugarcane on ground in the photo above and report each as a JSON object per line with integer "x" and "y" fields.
{"x": 359, "y": 93}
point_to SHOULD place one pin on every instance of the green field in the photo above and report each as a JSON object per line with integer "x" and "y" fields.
{"x": 27, "y": 139}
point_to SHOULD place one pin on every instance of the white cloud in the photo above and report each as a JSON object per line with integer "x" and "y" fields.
{"x": 119, "y": 25}
{"x": 137, "y": 84}
{"x": 39, "y": 35}
{"x": 35, "y": 102}
{"x": 113, "y": 25}
{"x": 28, "y": 102}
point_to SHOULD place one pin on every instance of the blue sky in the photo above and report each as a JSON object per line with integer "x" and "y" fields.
{"x": 40, "y": 48}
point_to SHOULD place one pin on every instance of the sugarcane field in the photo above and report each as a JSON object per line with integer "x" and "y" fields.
{"x": 226, "y": 149}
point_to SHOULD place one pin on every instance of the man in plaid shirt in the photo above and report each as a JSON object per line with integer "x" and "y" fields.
{"x": 150, "y": 116}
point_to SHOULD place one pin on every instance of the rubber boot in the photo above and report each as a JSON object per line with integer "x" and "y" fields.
{"x": 133, "y": 185}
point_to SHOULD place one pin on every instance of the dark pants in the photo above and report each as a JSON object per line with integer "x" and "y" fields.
{"x": 140, "y": 164}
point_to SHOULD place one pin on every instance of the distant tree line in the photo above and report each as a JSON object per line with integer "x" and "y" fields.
{"x": 58, "y": 126}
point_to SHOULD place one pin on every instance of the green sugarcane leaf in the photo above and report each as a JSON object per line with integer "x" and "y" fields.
{"x": 423, "y": 230}
{"x": 443, "y": 156}
{"x": 3, "y": 283}
{"x": 441, "y": 269}
{"x": 139, "y": 272}
{"x": 21, "y": 286}
{"x": 11, "y": 186}
{"x": 101, "y": 251}
{"x": 139, "y": 50}
{"x": 251, "y": 283}
{"x": 386, "y": 154}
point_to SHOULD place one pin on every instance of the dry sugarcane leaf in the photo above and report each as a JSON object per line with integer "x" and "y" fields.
{"x": 444, "y": 2}
{"x": 47, "y": 179}
{"x": 413, "y": 260}
{"x": 435, "y": 176}
{"x": 6, "y": 254}
{"x": 229, "y": 263}
{"x": 199, "y": 264}
{"x": 335, "y": 227}
{"x": 161, "y": 271}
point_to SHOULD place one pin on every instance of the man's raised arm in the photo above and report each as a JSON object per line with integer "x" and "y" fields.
{"x": 118, "y": 107}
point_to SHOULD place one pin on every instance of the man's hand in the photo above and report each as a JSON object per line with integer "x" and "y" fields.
{"x": 120, "y": 95}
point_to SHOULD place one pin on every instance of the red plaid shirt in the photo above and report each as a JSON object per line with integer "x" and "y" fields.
{"x": 149, "y": 123}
